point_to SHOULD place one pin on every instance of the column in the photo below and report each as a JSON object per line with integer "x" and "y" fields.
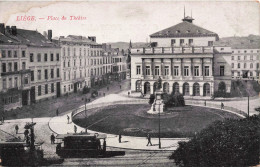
{"x": 211, "y": 88}
{"x": 170, "y": 87}
{"x": 162, "y": 68}
{"x": 151, "y": 88}
{"x": 201, "y": 89}
{"x": 181, "y": 69}
{"x": 202, "y": 68}
{"x": 191, "y": 67}
{"x": 181, "y": 87}
{"x": 143, "y": 67}
{"x": 171, "y": 70}
{"x": 191, "y": 89}
{"x": 152, "y": 67}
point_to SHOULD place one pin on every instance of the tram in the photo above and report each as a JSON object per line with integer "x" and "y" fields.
{"x": 81, "y": 145}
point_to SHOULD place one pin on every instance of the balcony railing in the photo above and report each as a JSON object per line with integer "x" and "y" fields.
{"x": 173, "y": 50}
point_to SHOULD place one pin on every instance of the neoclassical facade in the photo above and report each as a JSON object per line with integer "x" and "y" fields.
{"x": 185, "y": 59}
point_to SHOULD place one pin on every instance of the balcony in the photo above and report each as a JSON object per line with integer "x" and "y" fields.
{"x": 173, "y": 50}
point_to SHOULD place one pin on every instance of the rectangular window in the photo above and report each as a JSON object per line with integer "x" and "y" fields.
{"x": 232, "y": 73}
{"x": 244, "y": 65}
{"x": 244, "y": 57}
{"x": 9, "y": 53}
{"x": 80, "y": 74}
{"x": 15, "y": 53}
{"x": 46, "y": 74}
{"x": 23, "y": 53}
{"x": 238, "y": 65}
{"x": 222, "y": 70}
{"x": 186, "y": 70}
{"x": 210, "y": 43}
{"x": 10, "y": 83}
{"x": 32, "y": 75}
{"x": 75, "y": 74}
{"x": 64, "y": 64}
{"x": 15, "y": 66}
{"x": 206, "y": 72}
{"x": 196, "y": 71}
{"x": 181, "y": 41}
{"x": 52, "y": 73}
{"x": 58, "y": 72}
{"x": 238, "y": 73}
{"x": 156, "y": 70}
{"x": 238, "y": 57}
{"x": 39, "y": 57}
{"x": 23, "y": 65}
{"x": 39, "y": 90}
{"x": 251, "y": 57}
{"x": 232, "y": 65}
{"x": 3, "y": 67}
{"x": 173, "y": 41}
{"x": 166, "y": 70}
{"x": 232, "y": 58}
{"x": 3, "y": 54}
{"x": 64, "y": 76}
{"x": 4, "y": 83}
{"x": 52, "y": 87}
{"x": 31, "y": 57}
{"x": 39, "y": 75}
{"x": 45, "y": 57}
{"x": 190, "y": 41}
{"x": 15, "y": 82}
{"x": 176, "y": 70}
{"x": 64, "y": 88}
{"x": 57, "y": 57}
{"x": 52, "y": 57}
{"x": 69, "y": 75}
{"x": 147, "y": 70}
{"x": 9, "y": 67}
{"x": 46, "y": 89}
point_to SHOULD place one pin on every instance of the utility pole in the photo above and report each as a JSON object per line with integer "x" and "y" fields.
{"x": 85, "y": 106}
{"x": 248, "y": 106}
{"x": 159, "y": 125}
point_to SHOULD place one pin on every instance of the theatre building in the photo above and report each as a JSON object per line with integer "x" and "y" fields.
{"x": 186, "y": 60}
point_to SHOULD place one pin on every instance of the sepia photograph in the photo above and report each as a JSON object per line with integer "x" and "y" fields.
{"x": 171, "y": 83}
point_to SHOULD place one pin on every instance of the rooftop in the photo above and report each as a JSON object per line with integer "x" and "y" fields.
{"x": 25, "y": 37}
{"x": 184, "y": 29}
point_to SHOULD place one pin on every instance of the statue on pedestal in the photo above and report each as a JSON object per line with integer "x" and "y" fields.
{"x": 159, "y": 85}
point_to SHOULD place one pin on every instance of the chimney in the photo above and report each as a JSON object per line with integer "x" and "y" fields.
{"x": 92, "y": 38}
{"x": 50, "y": 35}
{"x": 8, "y": 29}
{"x": 2, "y": 28}
{"x": 14, "y": 30}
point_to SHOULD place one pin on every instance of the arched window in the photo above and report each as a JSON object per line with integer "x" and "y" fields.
{"x": 175, "y": 88}
{"x": 138, "y": 86}
{"x": 166, "y": 87}
{"x": 196, "y": 89}
{"x": 206, "y": 89}
{"x": 186, "y": 89}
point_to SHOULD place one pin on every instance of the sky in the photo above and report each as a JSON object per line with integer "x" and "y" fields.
{"x": 114, "y": 21}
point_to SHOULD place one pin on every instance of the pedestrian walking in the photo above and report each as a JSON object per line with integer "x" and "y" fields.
{"x": 222, "y": 106}
{"x": 75, "y": 128}
{"x": 120, "y": 86}
{"x": 57, "y": 112}
{"x": 68, "y": 118}
{"x": 108, "y": 88}
{"x": 149, "y": 140}
{"x": 205, "y": 103}
{"x": 128, "y": 93}
{"x": 16, "y": 128}
{"x": 119, "y": 137}
{"x": 52, "y": 138}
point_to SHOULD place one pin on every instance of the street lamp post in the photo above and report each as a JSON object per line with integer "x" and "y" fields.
{"x": 85, "y": 106}
{"x": 159, "y": 126}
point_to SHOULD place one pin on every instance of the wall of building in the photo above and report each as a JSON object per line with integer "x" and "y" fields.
{"x": 197, "y": 41}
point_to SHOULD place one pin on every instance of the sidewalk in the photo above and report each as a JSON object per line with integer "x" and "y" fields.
{"x": 59, "y": 125}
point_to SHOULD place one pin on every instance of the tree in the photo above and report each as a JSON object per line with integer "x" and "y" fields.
{"x": 223, "y": 143}
{"x": 173, "y": 100}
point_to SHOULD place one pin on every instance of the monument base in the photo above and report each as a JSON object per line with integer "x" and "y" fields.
{"x": 158, "y": 105}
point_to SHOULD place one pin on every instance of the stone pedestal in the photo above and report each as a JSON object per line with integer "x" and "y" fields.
{"x": 157, "y": 105}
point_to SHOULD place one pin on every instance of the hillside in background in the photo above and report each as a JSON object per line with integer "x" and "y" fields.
{"x": 125, "y": 45}
{"x": 249, "y": 42}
